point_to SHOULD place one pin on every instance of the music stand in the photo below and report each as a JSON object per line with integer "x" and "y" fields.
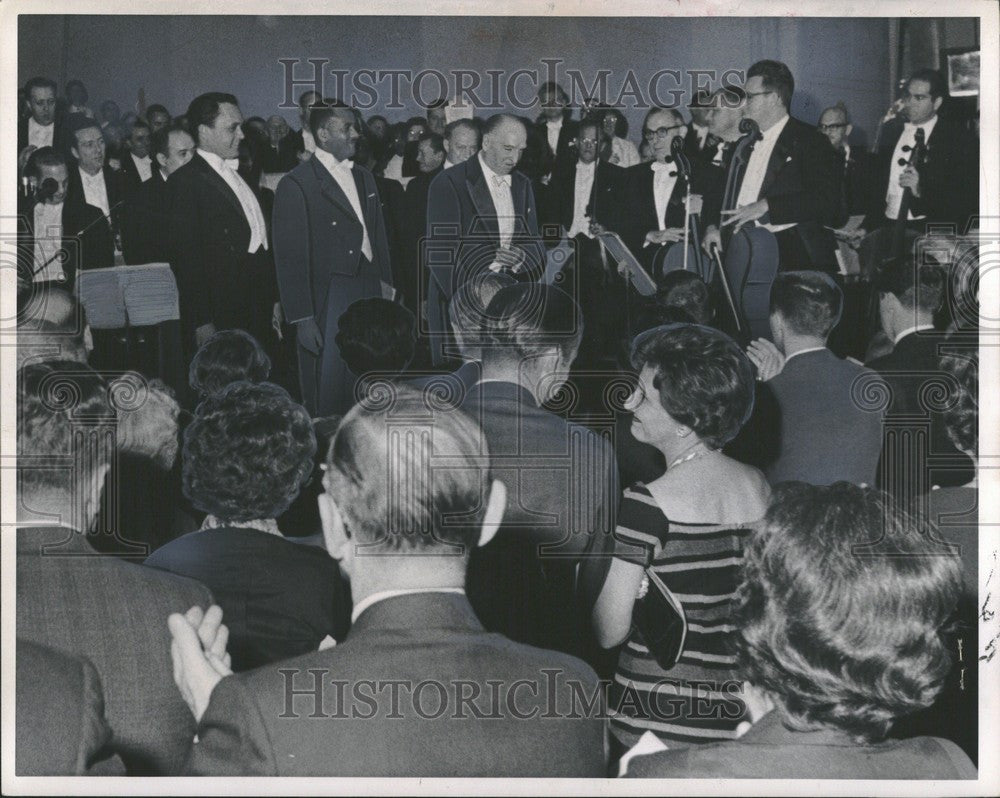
{"x": 634, "y": 273}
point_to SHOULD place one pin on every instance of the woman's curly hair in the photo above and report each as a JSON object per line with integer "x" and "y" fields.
{"x": 704, "y": 379}
{"x": 248, "y": 452}
{"x": 962, "y": 414}
{"x": 841, "y": 607}
{"x": 228, "y": 356}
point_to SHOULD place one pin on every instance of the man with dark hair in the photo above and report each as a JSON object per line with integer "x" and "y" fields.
{"x": 556, "y": 126}
{"x": 917, "y": 452}
{"x": 331, "y": 248}
{"x": 945, "y": 187}
{"x": 61, "y": 233}
{"x": 94, "y": 182}
{"x": 407, "y": 498}
{"x": 825, "y": 433}
{"x": 789, "y": 185}
{"x": 376, "y": 335}
{"x": 461, "y": 141}
{"x": 41, "y": 128}
{"x": 305, "y": 143}
{"x": 137, "y": 163}
{"x": 158, "y": 118}
{"x": 481, "y": 214}
{"x": 220, "y": 252}
{"x": 437, "y": 118}
{"x": 70, "y": 597}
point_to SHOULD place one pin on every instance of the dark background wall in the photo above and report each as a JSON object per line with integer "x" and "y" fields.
{"x": 173, "y": 58}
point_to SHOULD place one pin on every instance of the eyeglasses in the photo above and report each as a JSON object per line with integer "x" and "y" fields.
{"x": 660, "y": 133}
{"x": 834, "y": 126}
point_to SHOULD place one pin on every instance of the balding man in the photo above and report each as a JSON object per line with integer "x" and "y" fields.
{"x": 461, "y": 142}
{"x": 855, "y": 165}
{"x": 481, "y": 215}
{"x": 281, "y": 152}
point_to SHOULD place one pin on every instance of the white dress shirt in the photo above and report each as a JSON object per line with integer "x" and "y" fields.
{"x": 756, "y": 169}
{"x": 581, "y": 198}
{"x": 503, "y": 201}
{"x": 894, "y": 191}
{"x": 663, "y": 187}
{"x": 144, "y": 166}
{"x": 909, "y": 330}
{"x": 40, "y": 135}
{"x": 308, "y": 142}
{"x": 552, "y": 128}
{"x": 95, "y": 191}
{"x": 701, "y": 133}
{"x": 248, "y": 200}
{"x": 48, "y": 241}
{"x": 394, "y": 170}
{"x": 341, "y": 171}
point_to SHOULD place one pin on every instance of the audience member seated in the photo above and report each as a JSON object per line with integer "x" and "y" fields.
{"x": 246, "y": 454}
{"x": 228, "y": 356}
{"x": 954, "y": 512}
{"x": 831, "y": 676}
{"x": 695, "y": 391}
{"x": 60, "y": 728}
{"x": 71, "y": 598}
{"x": 51, "y": 325}
{"x": 825, "y": 432}
{"x": 536, "y": 582}
{"x": 406, "y": 553}
{"x": 909, "y": 296}
{"x": 376, "y": 336}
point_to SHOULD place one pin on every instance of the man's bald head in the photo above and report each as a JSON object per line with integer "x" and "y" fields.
{"x": 835, "y": 124}
{"x": 504, "y": 140}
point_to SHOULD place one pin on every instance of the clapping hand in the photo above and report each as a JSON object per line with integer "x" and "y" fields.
{"x": 198, "y": 651}
{"x": 767, "y": 358}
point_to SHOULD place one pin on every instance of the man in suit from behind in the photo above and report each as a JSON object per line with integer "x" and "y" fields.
{"x": 391, "y": 708}
{"x": 221, "y": 256}
{"x": 72, "y": 598}
{"x": 481, "y": 215}
{"x": 789, "y": 184}
{"x": 825, "y": 433}
{"x": 917, "y": 451}
{"x": 60, "y": 725}
{"x": 331, "y": 249}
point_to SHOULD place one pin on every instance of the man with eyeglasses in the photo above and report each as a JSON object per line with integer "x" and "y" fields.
{"x": 652, "y": 206}
{"x": 330, "y": 249}
{"x": 945, "y": 188}
{"x": 855, "y": 165}
{"x": 789, "y": 184}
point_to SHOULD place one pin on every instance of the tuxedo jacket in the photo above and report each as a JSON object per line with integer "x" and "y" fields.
{"x": 344, "y": 720}
{"x": 114, "y": 613}
{"x": 128, "y": 175}
{"x": 60, "y": 726}
{"x": 637, "y": 214}
{"x": 116, "y": 203}
{"x": 462, "y": 231}
{"x": 86, "y": 240}
{"x": 550, "y": 160}
{"x": 605, "y": 191}
{"x": 769, "y": 750}
{"x": 146, "y": 222}
{"x": 59, "y": 133}
{"x": 218, "y": 280}
{"x": 949, "y": 178}
{"x": 285, "y": 157}
{"x": 412, "y": 271}
{"x": 802, "y": 186}
{"x": 857, "y": 173}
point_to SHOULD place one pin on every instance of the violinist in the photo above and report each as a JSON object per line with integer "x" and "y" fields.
{"x": 790, "y": 183}
{"x": 652, "y": 205}
{"x": 944, "y": 188}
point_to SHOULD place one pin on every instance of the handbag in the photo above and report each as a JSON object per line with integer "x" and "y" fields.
{"x": 659, "y": 617}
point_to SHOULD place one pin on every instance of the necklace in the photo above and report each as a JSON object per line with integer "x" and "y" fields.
{"x": 690, "y": 456}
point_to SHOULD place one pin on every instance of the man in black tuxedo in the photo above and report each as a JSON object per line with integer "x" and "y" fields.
{"x": 699, "y": 139}
{"x": 415, "y": 646}
{"x": 789, "y": 184}
{"x": 481, "y": 214}
{"x": 909, "y": 296}
{"x": 557, "y": 128}
{"x": 945, "y": 187}
{"x": 58, "y": 232}
{"x": 93, "y": 181}
{"x": 430, "y": 160}
{"x": 331, "y": 249}
{"x": 41, "y": 128}
{"x": 855, "y": 164}
{"x": 279, "y": 153}
{"x": 137, "y": 161}
{"x": 221, "y": 256}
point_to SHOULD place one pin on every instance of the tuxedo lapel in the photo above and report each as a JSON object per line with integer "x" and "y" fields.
{"x": 331, "y": 189}
{"x": 482, "y": 200}
{"x": 212, "y": 178}
{"x": 779, "y": 155}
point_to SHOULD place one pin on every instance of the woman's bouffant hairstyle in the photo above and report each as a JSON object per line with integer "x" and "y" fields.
{"x": 704, "y": 379}
{"x": 841, "y": 608}
{"x": 248, "y": 452}
{"x": 961, "y": 416}
{"x": 228, "y": 356}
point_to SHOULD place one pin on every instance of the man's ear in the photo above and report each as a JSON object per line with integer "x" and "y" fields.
{"x": 162, "y": 163}
{"x": 338, "y": 544}
{"x": 74, "y": 151}
{"x": 495, "y": 507}
{"x": 447, "y": 148}
{"x": 847, "y": 130}
{"x": 937, "y": 103}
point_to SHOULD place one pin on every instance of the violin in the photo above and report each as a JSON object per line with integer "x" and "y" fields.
{"x": 683, "y": 255}
{"x": 750, "y": 261}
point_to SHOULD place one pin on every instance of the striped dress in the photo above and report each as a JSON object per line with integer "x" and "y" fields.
{"x": 697, "y": 700}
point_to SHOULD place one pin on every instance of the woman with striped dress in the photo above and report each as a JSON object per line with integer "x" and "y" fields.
{"x": 695, "y": 391}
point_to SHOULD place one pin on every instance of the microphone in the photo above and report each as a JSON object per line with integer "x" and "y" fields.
{"x": 48, "y": 189}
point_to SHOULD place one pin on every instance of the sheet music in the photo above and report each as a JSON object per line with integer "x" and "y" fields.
{"x": 131, "y": 295}
{"x": 101, "y": 295}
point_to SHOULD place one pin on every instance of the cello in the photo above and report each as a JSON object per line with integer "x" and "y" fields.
{"x": 750, "y": 261}
{"x": 683, "y": 255}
